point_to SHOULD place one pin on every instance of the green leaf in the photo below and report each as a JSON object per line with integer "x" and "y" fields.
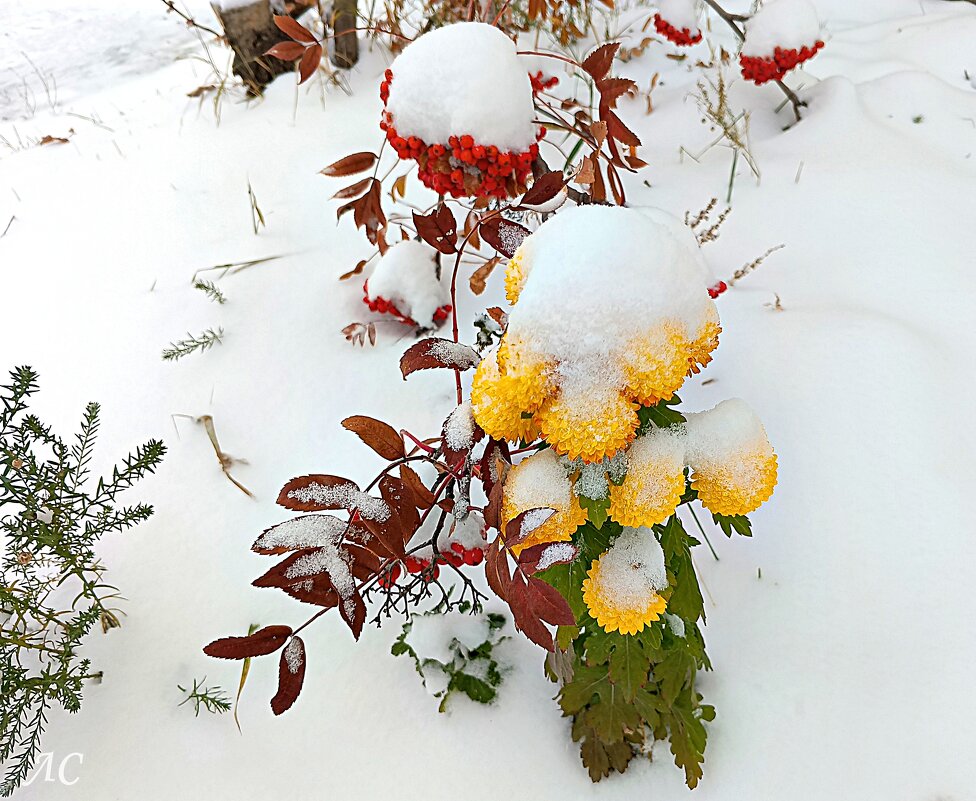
{"x": 688, "y": 737}
{"x": 474, "y": 688}
{"x": 586, "y": 683}
{"x": 660, "y": 415}
{"x": 596, "y": 510}
{"x": 612, "y": 716}
{"x": 629, "y": 666}
{"x": 740, "y": 524}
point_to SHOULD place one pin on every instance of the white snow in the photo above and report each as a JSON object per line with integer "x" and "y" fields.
{"x": 862, "y": 381}
{"x": 790, "y": 24}
{"x": 294, "y": 655}
{"x": 720, "y": 434}
{"x": 343, "y": 496}
{"x": 463, "y": 79}
{"x": 306, "y": 531}
{"x": 459, "y": 428}
{"x": 538, "y": 481}
{"x": 556, "y": 552}
{"x": 406, "y": 276}
{"x": 469, "y": 532}
{"x": 597, "y": 279}
{"x": 431, "y": 636}
{"x": 633, "y": 569}
{"x": 681, "y": 14}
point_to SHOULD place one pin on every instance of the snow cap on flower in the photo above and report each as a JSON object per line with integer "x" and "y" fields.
{"x": 622, "y": 586}
{"x": 405, "y": 284}
{"x": 655, "y": 479}
{"x": 677, "y": 20}
{"x": 541, "y": 481}
{"x": 614, "y": 301}
{"x": 733, "y": 463}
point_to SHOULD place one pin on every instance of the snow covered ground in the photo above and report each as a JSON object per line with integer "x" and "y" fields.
{"x": 844, "y": 671}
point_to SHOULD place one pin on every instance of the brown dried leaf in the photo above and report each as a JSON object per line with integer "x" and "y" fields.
{"x": 286, "y": 51}
{"x": 503, "y": 235}
{"x": 291, "y": 676}
{"x": 438, "y": 352}
{"x": 353, "y": 190}
{"x": 423, "y": 498}
{"x": 350, "y": 165}
{"x": 438, "y": 229}
{"x": 294, "y": 29}
{"x": 299, "y": 493}
{"x": 309, "y": 63}
{"x": 480, "y": 276}
{"x": 598, "y": 63}
{"x": 264, "y": 641}
{"x": 381, "y": 437}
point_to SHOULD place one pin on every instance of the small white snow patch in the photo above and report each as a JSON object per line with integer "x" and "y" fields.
{"x": 556, "y": 553}
{"x": 633, "y": 568}
{"x": 294, "y": 655}
{"x": 459, "y": 428}
{"x": 344, "y": 496}
{"x": 406, "y": 275}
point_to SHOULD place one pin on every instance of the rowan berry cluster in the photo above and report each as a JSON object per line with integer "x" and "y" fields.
{"x": 761, "y": 69}
{"x": 384, "y": 306}
{"x": 717, "y": 289}
{"x": 540, "y": 83}
{"x": 680, "y": 36}
{"x": 462, "y": 167}
{"x": 457, "y": 556}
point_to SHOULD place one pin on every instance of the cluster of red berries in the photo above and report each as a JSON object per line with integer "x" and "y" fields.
{"x": 717, "y": 289}
{"x": 761, "y": 69}
{"x": 462, "y": 167}
{"x": 457, "y": 556}
{"x": 540, "y": 83}
{"x": 384, "y": 306}
{"x": 680, "y": 36}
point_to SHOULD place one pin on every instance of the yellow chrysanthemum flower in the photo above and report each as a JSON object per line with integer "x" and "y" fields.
{"x": 739, "y": 487}
{"x": 589, "y": 428}
{"x": 540, "y": 481}
{"x": 621, "y": 587}
{"x": 734, "y": 466}
{"x": 656, "y": 365}
{"x": 503, "y": 403}
{"x": 700, "y": 351}
{"x": 654, "y": 483}
{"x": 515, "y": 275}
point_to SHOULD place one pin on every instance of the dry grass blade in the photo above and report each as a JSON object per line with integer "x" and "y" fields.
{"x": 226, "y": 461}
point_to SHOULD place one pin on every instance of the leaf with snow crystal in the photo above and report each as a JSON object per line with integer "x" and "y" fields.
{"x": 291, "y": 675}
{"x": 545, "y": 555}
{"x": 353, "y": 612}
{"x": 522, "y": 525}
{"x": 307, "y": 531}
{"x": 380, "y": 436}
{"x": 503, "y": 235}
{"x": 264, "y": 641}
{"x": 438, "y": 229}
{"x": 437, "y": 352}
{"x": 307, "y": 493}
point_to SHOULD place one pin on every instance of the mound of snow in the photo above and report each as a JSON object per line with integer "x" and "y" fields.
{"x": 788, "y": 24}
{"x": 463, "y": 79}
{"x": 406, "y": 277}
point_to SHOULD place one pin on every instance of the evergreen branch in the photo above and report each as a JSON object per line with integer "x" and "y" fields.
{"x": 213, "y": 699}
{"x": 184, "y": 347}
{"x": 210, "y": 289}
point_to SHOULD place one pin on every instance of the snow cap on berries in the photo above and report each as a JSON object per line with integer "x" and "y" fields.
{"x": 677, "y": 20}
{"x": 781, "y": 35}
{"x": 463, "y": 79}
{"x": 405, "y": 284}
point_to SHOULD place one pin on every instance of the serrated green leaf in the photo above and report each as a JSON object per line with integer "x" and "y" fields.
{"x": 473, "y": 687}
{"x": 740, "y": 524}
{"x": 586, "y": 683}
{"x": 660, "y": 415}
{"x": 629, "y": 666}
{"x": 612, "y": 716}
{"x": 596, "y": 510}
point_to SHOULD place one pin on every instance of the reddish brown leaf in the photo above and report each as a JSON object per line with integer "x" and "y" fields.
{"x": 368, "y": 214}
{"x": 549, "y": 604}
{"x": 294, "y": 29}
{"x": 495, "y": 451}
{"x": 353, "y": 611}
{"x": 357, "y": 270}
{"x": 422, "y": 497}
{"x": 503, "y": 235}
{"x": 52, "y": 140}
{"x": 286, "y": 51}
{"x": 365, "y": 563}
{"x": 494, "y": 507}
{"x": 497, "y": 571}
{"x": 499, "y": 316}
{"x": 307, "y": 531}
{"x": 546, "y": 554}
{"x": 353, "y": 190}
{"x": 309, "y": 63}
{"x": 522, "y": 525}
{"x": 350, "y": 165}
{"x": 524, "y": 616}
{"x": 438, "y": 229}
{"x": 437, "y": 352}
{"x": 264, "y": 641}
{"x": 544, "y": 189}
{"x": 381, "y": 437}
{"x": 309, "y": 493}
{"x": 598, "y": 62}
{"x": 291, "y": 675}
{"x": 479, "y": 277}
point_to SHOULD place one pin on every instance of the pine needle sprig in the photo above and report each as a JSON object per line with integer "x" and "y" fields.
{"x": 213, "y": 699}
{"x": 211, "y": 290}
{"x": 192, "y": 344}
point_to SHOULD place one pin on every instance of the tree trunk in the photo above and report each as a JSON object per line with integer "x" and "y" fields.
{"x": 345, "y": 51}
{"x": 250, "y": 31}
